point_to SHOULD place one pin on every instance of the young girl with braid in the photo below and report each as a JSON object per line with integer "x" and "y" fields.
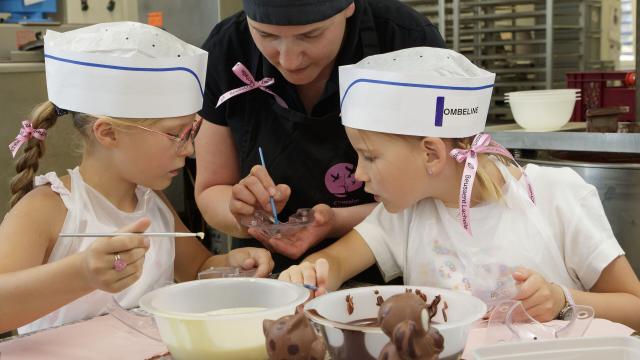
{"x": 132, "y": 91}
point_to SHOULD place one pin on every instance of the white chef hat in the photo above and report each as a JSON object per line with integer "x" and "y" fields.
{"x": 124, "y": 69}
{"x": 420, "y": 91}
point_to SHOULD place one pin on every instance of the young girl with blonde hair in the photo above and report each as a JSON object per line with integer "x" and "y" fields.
{"x": 456, "y": 211}
{"x": 132, "y": 91}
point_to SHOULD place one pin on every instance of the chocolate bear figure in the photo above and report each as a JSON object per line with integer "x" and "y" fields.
{"x": 292, "y": 338}
{"x": 405, "y": 319}
{"x": 400, "y": 307}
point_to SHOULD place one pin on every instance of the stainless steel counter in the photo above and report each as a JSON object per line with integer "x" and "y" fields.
{"x": 569, "y": 141}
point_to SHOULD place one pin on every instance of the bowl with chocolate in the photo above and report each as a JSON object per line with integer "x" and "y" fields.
{"x": 394, "y": 322}
{"x": 220, "y": 318}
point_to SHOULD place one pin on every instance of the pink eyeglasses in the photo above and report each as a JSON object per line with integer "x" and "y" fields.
{"x": 187, "y": 135}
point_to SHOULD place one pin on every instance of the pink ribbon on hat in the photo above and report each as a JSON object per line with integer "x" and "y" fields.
{"x": 243, "y": 74}
{"x": 482, "y": 143}
{"x": 26, "y": 132}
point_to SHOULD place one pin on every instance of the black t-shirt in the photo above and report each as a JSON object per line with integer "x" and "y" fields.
{"x": 308, "y": 152}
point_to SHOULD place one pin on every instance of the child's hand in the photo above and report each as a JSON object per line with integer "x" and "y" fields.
{"x": 99, "y": 260}
{"x": 542, "y": 300}
{"x": 253, "y": 193}
{"x": 307, "y": 273}
{"x": 249, "y": 258}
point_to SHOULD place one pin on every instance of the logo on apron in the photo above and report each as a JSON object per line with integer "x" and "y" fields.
{"x": 340, "y": 179}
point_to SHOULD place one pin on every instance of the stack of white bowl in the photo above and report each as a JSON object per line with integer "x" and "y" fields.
{"x": 542, "y": 110}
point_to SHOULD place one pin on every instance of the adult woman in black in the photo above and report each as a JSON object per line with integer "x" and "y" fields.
{"x": 299, "y": 44}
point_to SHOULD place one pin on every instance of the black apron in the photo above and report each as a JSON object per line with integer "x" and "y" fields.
{"x": 310, "y": 154}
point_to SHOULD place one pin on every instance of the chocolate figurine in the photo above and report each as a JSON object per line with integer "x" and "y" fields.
{"x": 406, "y": 320}
{"x": 292, "y": 338}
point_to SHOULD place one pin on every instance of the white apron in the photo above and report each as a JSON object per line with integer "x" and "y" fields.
{"x": 507, "y": 234}
{"x": 89, "y": 211}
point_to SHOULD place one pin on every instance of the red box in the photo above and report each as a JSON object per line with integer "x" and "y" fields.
{"x": 603, "y": 89}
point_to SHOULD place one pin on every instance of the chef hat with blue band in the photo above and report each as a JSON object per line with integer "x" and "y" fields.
{"x": 124, "y": 69}
{"x": 419, "y": 91}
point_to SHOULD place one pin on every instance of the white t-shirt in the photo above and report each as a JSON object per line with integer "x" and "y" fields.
{"x": 567, "y": 204}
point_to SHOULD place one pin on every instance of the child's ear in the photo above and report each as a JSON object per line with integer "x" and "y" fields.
{"x": 435, "y": 154}
{"x": 104, "y": 132}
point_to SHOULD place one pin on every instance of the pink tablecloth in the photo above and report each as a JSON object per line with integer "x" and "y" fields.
{"x": 103, "y": 337}
{"x": 107, "y": 338}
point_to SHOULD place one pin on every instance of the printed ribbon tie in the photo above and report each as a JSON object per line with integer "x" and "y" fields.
{"x": 26, "y": 132}
{"x": 243, "y": 74}
{"x": 482, "y": 143}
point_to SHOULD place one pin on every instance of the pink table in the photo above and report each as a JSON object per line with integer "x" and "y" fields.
{"x": 103, "y": 337}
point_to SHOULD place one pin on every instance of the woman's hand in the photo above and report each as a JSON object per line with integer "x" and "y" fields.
{"x": 296, "y": 244}
{"x": 102, "y": 271}
{"x": 253, "y": 193}
{"x": 307, "y": 273}
{"x": 541, "y": 299}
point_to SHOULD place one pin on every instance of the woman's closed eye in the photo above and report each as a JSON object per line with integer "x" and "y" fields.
{"x": 266, "y": 35}
{"x": 311, "y": 36}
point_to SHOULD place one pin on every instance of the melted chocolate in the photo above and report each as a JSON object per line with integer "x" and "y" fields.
{"x": 350, "y": 307}
{"x": 353, "y": 346}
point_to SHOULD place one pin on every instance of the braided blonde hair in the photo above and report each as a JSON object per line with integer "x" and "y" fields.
{"x": 43, "y": 116}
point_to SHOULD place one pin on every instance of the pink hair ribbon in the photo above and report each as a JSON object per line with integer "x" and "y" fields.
{"x": 482, "y": 143}
{"x": 26, "y": 132}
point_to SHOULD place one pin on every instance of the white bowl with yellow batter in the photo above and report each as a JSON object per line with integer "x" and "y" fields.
{"x": 220, "y": 318}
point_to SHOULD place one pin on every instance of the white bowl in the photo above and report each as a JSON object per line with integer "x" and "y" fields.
{"x": 357, "y": 342}
{"x": 536, "y": 93}
{"x": 542, "y": 114}
{"x": 544, "y": 97}
{"x": 180, "y": 312}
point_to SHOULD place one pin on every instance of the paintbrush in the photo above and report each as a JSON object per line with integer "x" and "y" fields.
{"x": 273, "y": 204}
{"x": 161, "y": 234}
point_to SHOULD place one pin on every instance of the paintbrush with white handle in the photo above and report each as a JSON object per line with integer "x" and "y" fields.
{"x": 168, "y": 234}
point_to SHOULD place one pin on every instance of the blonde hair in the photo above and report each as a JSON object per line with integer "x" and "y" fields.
{"x": 488, "y": 188}
{"x": 44, "y": 116}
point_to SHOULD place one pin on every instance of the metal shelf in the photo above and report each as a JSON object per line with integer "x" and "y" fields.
{"x": 519, "y": 70}
{"x": 502, "y": 16}
{"x": 528, "y": 44}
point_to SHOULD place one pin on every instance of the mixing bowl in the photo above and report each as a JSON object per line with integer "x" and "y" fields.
{"x": 346, "y": 341}
{"x": 542, "y": 114}
{"x": 220, "y": 318}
